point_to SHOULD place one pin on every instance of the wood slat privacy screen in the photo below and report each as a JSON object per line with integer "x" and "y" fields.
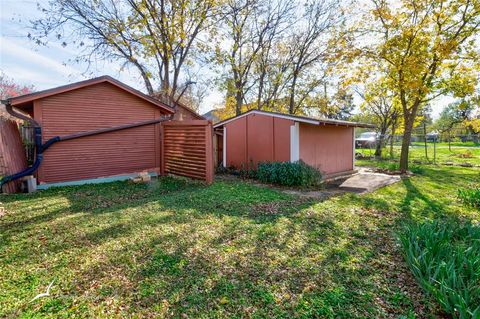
{"x": 187, "y": 149}
{"x": 12, "y": 153}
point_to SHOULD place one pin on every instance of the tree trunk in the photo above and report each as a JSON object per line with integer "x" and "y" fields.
{"x": 148, "y": 83}
{"x": 260, "y": 91}
{"x": 392, "y": 140}
{"x": 379, "y": 145}
{"x": 238, "y": 102}
{"x": 425, "y": 141}
{"x": 165, "y": 85}
{"x": 449, "y": 142}
{"x": 407, "y": 135}
{"x": 291, "y": 106}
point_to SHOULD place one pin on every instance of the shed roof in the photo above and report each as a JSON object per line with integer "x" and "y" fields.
{"x": 25, "y": 100}
{"x": 302, "y": 119}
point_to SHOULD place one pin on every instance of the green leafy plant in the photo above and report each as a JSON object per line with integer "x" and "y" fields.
{"x": 388, "y": 166}
{"x": 288, "y": 174}
{"x": 445, "y": 259}
{"x": 247, "y": 171}
{"x": 395, "y": 167}
{"x": 470, "y": 196}
{"x": 417, "y": 169}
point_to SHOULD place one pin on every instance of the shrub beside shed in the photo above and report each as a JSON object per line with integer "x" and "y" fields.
{"x": 258, "y": 136}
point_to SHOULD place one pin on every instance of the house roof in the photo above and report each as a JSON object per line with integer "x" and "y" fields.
{"x": 179, "y": 105}
{"x": 21, "y": 100}
{"x": 188, "y": 109}
{"x": 296, "y": 118}
{"x": 211, "y": 116}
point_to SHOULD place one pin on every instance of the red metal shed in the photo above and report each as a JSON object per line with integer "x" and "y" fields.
{"x": 96, "y": 105}
{"x": 256, "y": 136}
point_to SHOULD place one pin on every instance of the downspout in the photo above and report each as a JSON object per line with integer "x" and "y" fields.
{"x": 38, "y": 146}
{"x": 41, "y": 148}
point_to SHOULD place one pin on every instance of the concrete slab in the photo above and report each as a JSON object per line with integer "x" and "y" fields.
{"x": 366, "y": 181}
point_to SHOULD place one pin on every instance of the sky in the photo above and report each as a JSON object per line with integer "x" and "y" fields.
{"x": 46, "y": 67}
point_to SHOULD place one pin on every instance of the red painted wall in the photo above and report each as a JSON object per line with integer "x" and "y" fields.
{"x": 236, "y": 132}
{"x": 12, "y": 153}
{"x": 326, "y": 147}
{"x": 256, "y": 138}
{"x": 188, "y": 150}
{"x": 98, "y": 106}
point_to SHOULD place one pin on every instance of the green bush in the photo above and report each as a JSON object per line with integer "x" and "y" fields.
{"x": 417, "y": 169}
{"x": 288, "y": 174}
{"x": 445, "y": 259}
{"x": 470, "y": 196}
{"x": 395, "y": 166}
{"x": 247, "y": 172}
{"x": 388, "y": 166}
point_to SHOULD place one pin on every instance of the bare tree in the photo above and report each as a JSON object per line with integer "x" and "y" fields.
{"x": 308, "y": 45}
{"x": 250, "y": 26}
{"x": 270, "y": 66}
{"x": 156, "y": 37}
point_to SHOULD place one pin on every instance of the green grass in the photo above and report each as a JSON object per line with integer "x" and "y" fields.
{"x": 445, "y": 258}
{"x": 459, "y": 154}
{"x": 470, "y": 196}
{"x": 174, "y": 248}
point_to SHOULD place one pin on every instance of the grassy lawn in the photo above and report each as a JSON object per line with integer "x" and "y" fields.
{"x": 175, "y": 248}
{"x": 458, "y": 154}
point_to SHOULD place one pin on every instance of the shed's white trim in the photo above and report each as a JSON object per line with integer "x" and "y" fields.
{"x": 295, "y": 142}
{"x": 225, "y": 146}
{"x": 282, "y": 116}
{"x": 353, "y": 141}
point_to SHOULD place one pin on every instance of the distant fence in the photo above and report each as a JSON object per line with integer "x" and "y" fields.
{"x": 187, "y": 149}
{"x": 458, "y": 149}
{"x": 12, "y": 153}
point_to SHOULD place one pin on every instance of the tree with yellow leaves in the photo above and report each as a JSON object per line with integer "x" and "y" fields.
{"x": 426, "y": 49}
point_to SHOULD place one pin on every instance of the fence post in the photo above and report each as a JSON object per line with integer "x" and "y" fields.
{"x": 162, "y": 149}
{"x": 209, "y": 153}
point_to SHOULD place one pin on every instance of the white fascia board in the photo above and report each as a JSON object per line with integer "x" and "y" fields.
{"x": 225, "y": 147}
{"x": 353, "y": 142}
{"x": 282, "y": 116}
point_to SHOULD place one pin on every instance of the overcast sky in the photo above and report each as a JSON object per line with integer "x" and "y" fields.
{"x": 47, "y": 67}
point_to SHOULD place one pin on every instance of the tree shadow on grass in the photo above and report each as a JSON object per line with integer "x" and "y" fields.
{"x": 227, "y": 249}
{"x": 431, "y": 207}
{"x": 442, "y": 175}
{"x": 92, "y": 215}
{"x": 93, "y": 199}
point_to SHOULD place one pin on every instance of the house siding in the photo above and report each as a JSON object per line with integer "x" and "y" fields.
{"x": 94, "y": 107}
{"x": 329, "y": 148}
{"x": 256, "y": 138}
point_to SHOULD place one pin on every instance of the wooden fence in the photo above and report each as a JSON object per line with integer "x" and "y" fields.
{"x": 12, "y": 153}
{"x": 27, "y": 133}
{"x": 187, "y": 149}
